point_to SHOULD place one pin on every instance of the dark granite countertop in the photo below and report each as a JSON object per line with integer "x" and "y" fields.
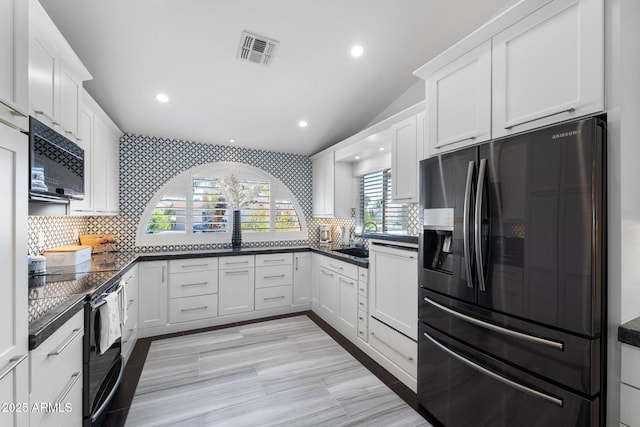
{"x": 629, "y": 333}
{"x": 59, "y": 294}
{"x": 395, "y": 237}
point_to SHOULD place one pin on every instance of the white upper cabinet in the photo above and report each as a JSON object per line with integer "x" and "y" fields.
{"x": 105, "y": 169}
{"x": 14, "y": 41}
{"x": 85, "y": 133}
{"x": 459, "y": 101}
{"x": 538, "y": 63}
{"x": 406, "y": 152}
{"x": 332, "y": 187}
{"x": 549, "y": 66}
{"x": 55, "y": 75}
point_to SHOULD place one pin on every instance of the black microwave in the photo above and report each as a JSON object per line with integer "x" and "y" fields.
{"x": 56, "y": 165}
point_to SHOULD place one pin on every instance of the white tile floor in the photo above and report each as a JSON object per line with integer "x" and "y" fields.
{"x": 280, "y": 372}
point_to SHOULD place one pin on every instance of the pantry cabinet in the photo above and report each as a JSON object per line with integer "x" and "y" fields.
{"x": 14, "y": 41}
{"x": 549, "y": 66}
{"x": 14, "y": 371}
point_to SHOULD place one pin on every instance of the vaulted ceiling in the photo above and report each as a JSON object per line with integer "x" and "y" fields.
{"x": 188, "y": 49}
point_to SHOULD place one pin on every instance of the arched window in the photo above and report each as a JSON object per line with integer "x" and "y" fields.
{"x": 192, "y": 208}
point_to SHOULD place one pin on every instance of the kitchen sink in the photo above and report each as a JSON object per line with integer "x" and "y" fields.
{"x": 357, "y": 252}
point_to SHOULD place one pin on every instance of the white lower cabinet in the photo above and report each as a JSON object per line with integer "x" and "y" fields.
{"x": 348, "y": 304}
{"x": 273, "y": 297}
{"x": 56, "y": 377}
{"x": 394, "y": 346}
{"x": 328, "y": 292}
{"x": 338, "y": 295}
{"x": 236, "y": 286}
{"x": 153, "y": 288}
{"x": 301, "y": 278}
{"x": 193, "y": 289}
{"x": 130, "y": 327}
{"x": 14, "y": 390}
{"x": 193, "y": 308}
{"x": 630, "y": 386}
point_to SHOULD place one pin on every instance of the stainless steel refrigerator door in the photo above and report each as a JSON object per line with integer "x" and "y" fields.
{"x": 544, "y": 204}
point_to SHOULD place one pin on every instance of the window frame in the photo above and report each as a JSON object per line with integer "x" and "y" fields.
{"x": 184, "y": 182}
{"x": 389, "y": 208}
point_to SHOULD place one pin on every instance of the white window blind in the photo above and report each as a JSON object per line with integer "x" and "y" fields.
{"x": 377, "y": 213}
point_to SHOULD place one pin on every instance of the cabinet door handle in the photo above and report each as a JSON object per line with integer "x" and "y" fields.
{"x": 64, "y": 345}
{"x": 297, "y": 263}
{"x": 204, "y": 307}
{"x": 74, "y": 379}
{"x": 163, "y": 267}
{"x": 390, "y": 347}
{"x": 455, "y": 141}
{"x": 46, "y": 116}
{"x": 524, "y": 122}
{"x": 278, "y": 276}
{"x": 328, "y": 274}
{"x": 185, "y": 285}
{"x": 272, "y": 298}
{"x": 12, "y": 364}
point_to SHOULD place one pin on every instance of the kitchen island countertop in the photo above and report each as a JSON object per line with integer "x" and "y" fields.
{"x": 629, "y": 332}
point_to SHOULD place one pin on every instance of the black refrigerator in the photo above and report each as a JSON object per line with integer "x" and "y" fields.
{"x": 512, "y": 274}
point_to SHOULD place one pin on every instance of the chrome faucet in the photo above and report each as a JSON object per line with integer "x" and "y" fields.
{"x": 364, "y": 229}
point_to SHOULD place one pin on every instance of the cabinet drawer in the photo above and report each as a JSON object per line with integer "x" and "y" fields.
{"x": 363, "y": 325}
{"x": 130, "y": 336}
{"x": 629, "y": 409}
{"x": 56, "y": 360}
{"x": 630, "y": 372}
{"x": 192, "y": 264}
{"x": 341, "y": 267}
{"x": 274, "y": 259}
{"x": 69, "y": 409}
{"x": 278, "y": 296}
{"x": 363, "y": 290}
{"x": 363, "y": 303}
{"x": 394, "y": 346}
{"x": 193, "y": 308}
{"x": 191, "y": 284}
{"x": 277, "y": 275}
{"x": 363, "y": 274}
{"x": 236, "y": 261}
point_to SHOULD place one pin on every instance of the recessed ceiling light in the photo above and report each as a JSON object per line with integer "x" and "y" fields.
{"x": 357, "y": 51}
{"x": 381, "y": 148}
{"x": 303, "y": 124}
{"x": 161, "y": 97}
{"x": 357, "y": 157}
{"x": 232, "y": 140}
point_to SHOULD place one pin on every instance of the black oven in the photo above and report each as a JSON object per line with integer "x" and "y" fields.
{"x": 102, "y": 372}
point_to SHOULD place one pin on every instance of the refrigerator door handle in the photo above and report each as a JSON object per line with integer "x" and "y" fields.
{"x": 465, "y": 225}
{"x": 495, "y": 376}
{"x": 478, "y": 224}
{"x": 499, "y": 329}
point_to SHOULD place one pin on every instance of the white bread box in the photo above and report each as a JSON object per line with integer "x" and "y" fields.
{"x": 67, "y": 255}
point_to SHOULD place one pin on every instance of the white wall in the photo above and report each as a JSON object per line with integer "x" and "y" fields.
{"x": 623, "y": 108}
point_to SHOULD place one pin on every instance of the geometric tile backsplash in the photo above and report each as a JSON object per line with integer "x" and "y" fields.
{"x": 147, "y": 163}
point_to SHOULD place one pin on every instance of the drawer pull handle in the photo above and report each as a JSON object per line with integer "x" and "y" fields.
{"x": 64, "y": 345}
{"x": 235, "y": 262}
{"x": 361, "y": 303}
{"x": 74, "y": 379}
{"x": 185, "y": 285}
{"x": 274, "y": 260}
{"x": 361, "y": 318}
{"x": 13, "y": 363}
{"x": 275, "y": 277}
{"x": 195, "y": 265}
{"x": 336, "y": 266}
{"x": 236, "y": 273}
{"x": 390, "y": 347}
{"x": 327, "y": 274}
{"x": 204, "y": 307}
{"x": 273, "y": 298}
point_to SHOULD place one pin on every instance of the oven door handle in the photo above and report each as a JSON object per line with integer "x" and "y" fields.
{"x": 107, "y": 401}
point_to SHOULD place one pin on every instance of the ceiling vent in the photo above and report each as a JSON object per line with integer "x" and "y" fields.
{"x": 256, "y": 48}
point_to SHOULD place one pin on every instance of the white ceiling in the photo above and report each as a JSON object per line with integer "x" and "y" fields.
{"x": 187, "y": 49}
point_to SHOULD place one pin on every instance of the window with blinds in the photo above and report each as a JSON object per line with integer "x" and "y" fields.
{"x": 377, "y": 213}
{"x": 192, "y": 207}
